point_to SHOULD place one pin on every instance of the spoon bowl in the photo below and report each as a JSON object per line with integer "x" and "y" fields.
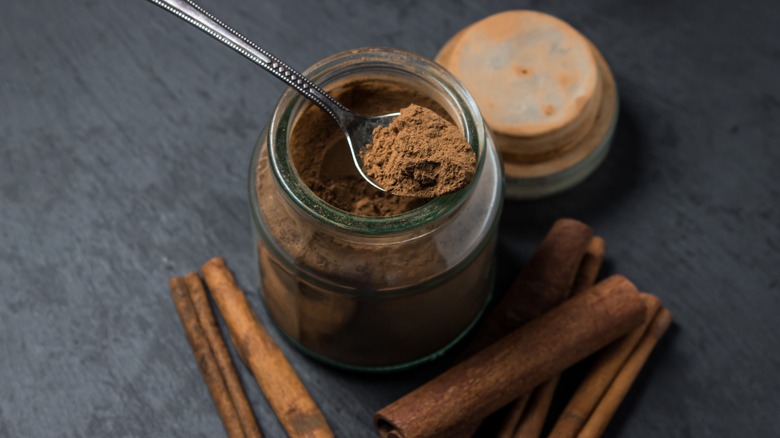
{"x": 357, "y": 128}
{"x": 360, "y": 133}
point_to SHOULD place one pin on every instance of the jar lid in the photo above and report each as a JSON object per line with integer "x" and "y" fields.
{"x": 542, "y": 87}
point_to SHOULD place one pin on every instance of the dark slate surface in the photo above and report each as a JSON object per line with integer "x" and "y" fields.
{"x": 126, "y": 136}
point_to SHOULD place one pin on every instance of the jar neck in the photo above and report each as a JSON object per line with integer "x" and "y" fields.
{"x": 374, "y": 64}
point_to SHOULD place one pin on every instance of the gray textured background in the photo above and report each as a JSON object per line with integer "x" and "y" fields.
{"x": 125, "y": 139}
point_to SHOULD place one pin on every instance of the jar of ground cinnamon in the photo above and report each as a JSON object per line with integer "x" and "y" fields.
{"x": 357, "y": 277}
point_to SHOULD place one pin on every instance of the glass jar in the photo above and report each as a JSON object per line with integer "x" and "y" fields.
{"x": 365, "y": 292}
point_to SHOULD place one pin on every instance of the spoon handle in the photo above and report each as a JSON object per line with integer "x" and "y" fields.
{"x": 203, "y": 20}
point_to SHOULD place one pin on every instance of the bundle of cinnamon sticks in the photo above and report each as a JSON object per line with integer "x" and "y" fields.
{"x": 292, "y": 404}
{"x": 554, "y": 315}
{"x": 533, "y": 334}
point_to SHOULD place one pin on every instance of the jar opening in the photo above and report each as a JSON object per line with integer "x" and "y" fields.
{"x": 389, "y": 68}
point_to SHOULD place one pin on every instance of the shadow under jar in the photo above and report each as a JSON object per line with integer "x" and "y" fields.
{"x": 352, "y": 276}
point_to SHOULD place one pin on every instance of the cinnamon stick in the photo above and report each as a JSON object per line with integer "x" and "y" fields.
{"x": 590, "y": 266}
{"x": 232, "y": 384}
{"x": 204, "y": 357}
{"x": 544, "y": 282}
{"x": 601, "y": 375}
{"x": 536, "y": 409}
{"x": 529, "y": 412}
{"x": 533, "y": 353}
{"x": 607, "y": 366}
{"x": 298, "y": 413}
{"x": 512, "y": 417}
{"x": 606, "y": 408}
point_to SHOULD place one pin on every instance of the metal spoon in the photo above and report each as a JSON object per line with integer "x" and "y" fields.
{"x": 358, "y": 129}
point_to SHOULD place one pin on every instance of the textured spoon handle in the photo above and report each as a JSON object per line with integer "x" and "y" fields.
{"x": 203, "y": 20}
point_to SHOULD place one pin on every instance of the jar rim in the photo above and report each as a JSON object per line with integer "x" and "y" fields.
{"x": 351, "y": 62}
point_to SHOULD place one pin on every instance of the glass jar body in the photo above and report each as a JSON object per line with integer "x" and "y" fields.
{"x": 374, "y": 293}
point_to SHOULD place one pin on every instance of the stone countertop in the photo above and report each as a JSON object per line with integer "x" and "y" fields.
{"x": 126, "y": 137}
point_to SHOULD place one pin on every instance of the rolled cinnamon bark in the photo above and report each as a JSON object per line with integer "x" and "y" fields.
{"x": 544, "y": 282}
{"x": 606, "y": 408}
{"x": 513, "y": 416}
{"x": 233, "y": 385}
{"x": 533, "y": 353}
{"x": 287, "y": 396}
{"x": 601, "y": 375}
{"x": 536, "y": 410}
{"x": 590, "y": 266}
{"x": 205, "y": 358}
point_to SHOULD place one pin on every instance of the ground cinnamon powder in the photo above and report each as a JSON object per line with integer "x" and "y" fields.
{"x": 321, "y": 155}
{"x": 420, "y": 154}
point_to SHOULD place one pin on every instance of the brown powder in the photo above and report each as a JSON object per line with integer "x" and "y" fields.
{"x": 321, "y": 155}
{"x": 419, "y": 154}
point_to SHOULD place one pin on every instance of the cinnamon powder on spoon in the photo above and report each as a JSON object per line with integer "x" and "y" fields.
{"x": 420, "y": 154}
